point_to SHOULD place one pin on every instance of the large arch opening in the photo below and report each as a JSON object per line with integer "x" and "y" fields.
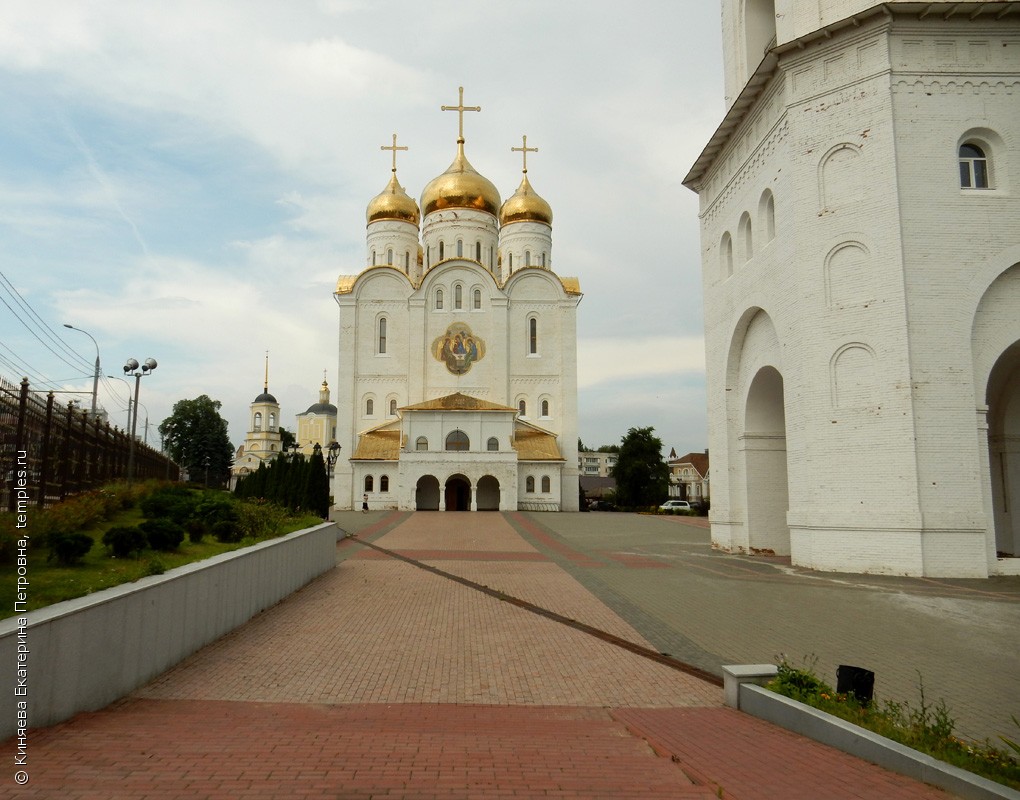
{"x": 458, "y": 493}
{"x": 764, "y": 446}
{"x": 426, "y": 493}
{"x": 759, "y": 30}
{"x": 487, "y": 495}
{"x": 1003, "y": 398}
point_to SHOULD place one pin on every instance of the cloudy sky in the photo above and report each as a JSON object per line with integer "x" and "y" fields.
{"x": 185, "y": 181}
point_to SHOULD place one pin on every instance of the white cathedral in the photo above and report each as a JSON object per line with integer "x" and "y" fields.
{"x": 860, "y": 218}
{"x": 457, "y": 381}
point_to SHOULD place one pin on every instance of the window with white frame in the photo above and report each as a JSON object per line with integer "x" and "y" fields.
{"x": 974, "y": 172}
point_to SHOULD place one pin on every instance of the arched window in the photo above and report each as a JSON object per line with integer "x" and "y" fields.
{"x": 510, "y": 261}
{"x": 382, "y": 335}
{"x": 373, "y": 256}
{"x": 369, "y": 407}
{"x": 457, "y": 440}
{"x": 529, "y": 484}
{"x": 490, "y": 256}
{"x": 393, "y": 408}
{"x": 974, "y": 173}
{"x": 257, "y": 426}
{"x": 546, "y": 484}
{"x": 384, "y": 483}
{"x": 407, "y": 259}
{"x": 744, "y": 236}
{"x": 492, "y": 444}
{"x": 533, "y": 336}
{"x": 767, "y": 216}
{"x": 543, "y": 260}
{"x": 545, "y": 408}
{"x": 421, "y": 443}
{"x": 478, "y": 252}
{"x": 272, "y": 421}
{"x": 478, "y": 299}
{"x": 460, "y": 248}
{"x": 389, "y": 256}
{"x": 439, "y": 299}
{"x": 441, "y": 249}
{"x": 458, "y": 299}
{"x": 523, "y": 408}
{"x": 527, "y": 258}
{"x": 369, "y": 483}
{"x": 726, "y": 254}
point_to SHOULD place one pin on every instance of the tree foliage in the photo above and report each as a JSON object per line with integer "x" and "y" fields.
{"x": 291, "y": 481}
{"x": 642, "y": 476}
{"x": 195, "y": 436}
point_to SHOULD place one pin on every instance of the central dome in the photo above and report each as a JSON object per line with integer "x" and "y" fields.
{"x": 461, "y": 186}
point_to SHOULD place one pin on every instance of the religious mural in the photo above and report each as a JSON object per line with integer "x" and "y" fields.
{"x": 458, "y": 348}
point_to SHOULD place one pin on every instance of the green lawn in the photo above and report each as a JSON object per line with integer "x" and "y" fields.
{"x": 50, "y": 583}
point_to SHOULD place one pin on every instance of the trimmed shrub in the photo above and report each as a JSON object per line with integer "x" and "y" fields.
{"x": 69, "y": 548}
{"x": 124, "y": 541}
{"x": 174, "y": 502}
{"x": 227, "y": 531}
{"x": 196, "y": 530}
{"x": 162, "y": 534}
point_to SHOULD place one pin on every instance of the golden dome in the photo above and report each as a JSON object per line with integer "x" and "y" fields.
{"x": 393, "y": 203}
{"x": 461, "y": 186}
{"x": 525, "y": 206}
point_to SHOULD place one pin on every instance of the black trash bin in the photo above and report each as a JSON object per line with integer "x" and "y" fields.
{"x": 857, "y": 681}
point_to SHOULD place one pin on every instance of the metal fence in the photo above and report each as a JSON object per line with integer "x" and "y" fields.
{"x": 50, "y": 451}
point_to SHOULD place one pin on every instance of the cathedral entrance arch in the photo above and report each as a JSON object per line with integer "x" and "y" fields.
{"x": 1004, "y": 449}
{"x": 458, "y": 493}
{"x": 426, "y": 493}
{"x": 764, "y": 446}
{"x": 488, "y": 493}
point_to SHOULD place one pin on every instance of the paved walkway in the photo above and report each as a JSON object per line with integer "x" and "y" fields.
{"x": 386, "y": 679}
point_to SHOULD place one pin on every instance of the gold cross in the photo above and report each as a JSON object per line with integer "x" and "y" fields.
{"x": 460, "y": 108}
{"x": 394, "y": 148}
{"x": 524, "y": 149}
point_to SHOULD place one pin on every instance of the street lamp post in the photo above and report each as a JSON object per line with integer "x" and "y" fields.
{"x": 131, "y": 368}
{"x": 334, "y": 454}
{"x": 95, "y": 378}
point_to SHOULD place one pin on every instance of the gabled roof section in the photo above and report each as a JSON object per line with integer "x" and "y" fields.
{"x": 697, "y": 460}
{"x": 457, "y": 402}
{"x": 378, "y": 445}
{"x": 535, "y": 444}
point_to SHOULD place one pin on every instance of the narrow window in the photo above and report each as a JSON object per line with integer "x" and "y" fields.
{"x": 527, "y": 258}
{"x": 369, "y": 407}
{"x": 421, "y": 443}
{"x": 745, "y": 237}
{"x": 384, "y": 483}
{"x": 373, "y": 256}
{"x": 490, "y": 257}
{"x": 492, "y": 444}
{"x": 369, "y": 484}
{"x": 543, "y": 259}
{"x": 393, "y": 408}
{"x": 407, "y": 259}
{"x": 272, "y": 421}
{"x": 533, "y": 336}
{"x": 439, "y": 298}
{"x": 460, "y": 248}
{"x": 545, "y": 408}
{"x": 258, "y": 422}
{"x": 441, "y": 248}
{"x": 478, "y": 252}
{"x": 478, "y": 299}
{"x": 457, "y": 440}
{"x": 510, "y": 261}
{"x": 389, "y": 257}
{"x": 529, "y": 484}
{"x": 457, "y": 297}
{"x": 546, "y": 484}
{"x": 523, "y": 408}
{"x": 726, "y": 254}
{"x": 382, "y": 336}
{"x": 973, "y": 167}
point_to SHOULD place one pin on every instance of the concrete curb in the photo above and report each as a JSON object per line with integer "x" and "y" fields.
{"x": 753, "y": 699}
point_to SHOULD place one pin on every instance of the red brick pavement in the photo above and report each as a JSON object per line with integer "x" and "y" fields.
{"x": 382, "y": 680}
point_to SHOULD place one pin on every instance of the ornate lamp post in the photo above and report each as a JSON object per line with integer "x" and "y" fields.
{"x": 131, "y": 368}
{"x": 333, "y": 454}
{"x": 95, "y": 378}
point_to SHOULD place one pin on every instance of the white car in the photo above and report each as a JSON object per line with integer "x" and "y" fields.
{"x": 675, "y": 505}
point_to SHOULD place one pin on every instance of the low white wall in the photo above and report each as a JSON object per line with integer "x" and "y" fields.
{"x": 85, "y": 653}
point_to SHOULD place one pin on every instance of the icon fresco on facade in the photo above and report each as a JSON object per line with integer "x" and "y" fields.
{"x": 458, "y": 348}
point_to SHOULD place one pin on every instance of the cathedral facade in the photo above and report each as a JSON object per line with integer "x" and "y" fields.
{"x": 457, "y": 381}
{"x": 859, "y": 210}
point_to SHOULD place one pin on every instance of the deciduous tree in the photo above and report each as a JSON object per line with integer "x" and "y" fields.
{"x": 642, "y": 476}
{"x": 195, "y": 436}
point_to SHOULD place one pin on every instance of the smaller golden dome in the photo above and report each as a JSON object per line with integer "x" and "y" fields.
{"x": 393, "y": 203}
{"x": 461, "y": 186}
{"x": 525, "y": 206}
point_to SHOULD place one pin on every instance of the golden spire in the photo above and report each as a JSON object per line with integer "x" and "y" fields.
{"x": 265, "y": 385}
{"x": 524, "y": 149}
{"x": 460, "y": 108}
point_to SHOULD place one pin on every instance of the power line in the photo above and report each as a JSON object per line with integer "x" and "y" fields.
{"x": 41, "y": 324}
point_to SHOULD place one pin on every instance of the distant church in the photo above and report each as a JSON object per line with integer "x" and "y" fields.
{"x": 860, "y": 219}
{"x": 263, "y": 442}
{"x": 457, "y": 383}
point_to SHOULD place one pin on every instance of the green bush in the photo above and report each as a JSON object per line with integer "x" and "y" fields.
{"x": 124, "y": 541}
{"x": 196, "y": 530}
{"x": 69, "y": 548}
{"x": 226, "y": 531}
{"x": 162, "y": 534}
{"x": 155, "y": 567}
{"x": 260, "y": 519}
{"x": 174, "y": 502}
